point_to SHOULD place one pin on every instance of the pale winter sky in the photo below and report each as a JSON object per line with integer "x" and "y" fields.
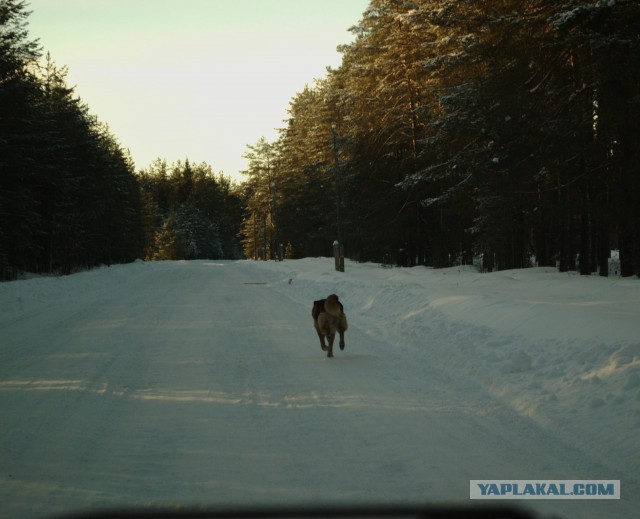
{"x": 197, "y": 79}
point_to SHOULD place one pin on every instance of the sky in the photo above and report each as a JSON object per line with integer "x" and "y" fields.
{"x": 196, "y": 79}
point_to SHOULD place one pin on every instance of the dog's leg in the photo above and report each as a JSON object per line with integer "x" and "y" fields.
{"x": 342, "y": 327}
{"x": 331, "y": 337}
{"x": 322, "y": 344}
{"x": 321, "y": 335}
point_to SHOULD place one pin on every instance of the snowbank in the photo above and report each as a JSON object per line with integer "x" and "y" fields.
{"x": 560, "y": 348}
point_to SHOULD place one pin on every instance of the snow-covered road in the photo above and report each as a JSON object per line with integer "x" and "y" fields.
{"x": 204, "y": 383}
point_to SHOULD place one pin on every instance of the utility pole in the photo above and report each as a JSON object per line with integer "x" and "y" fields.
{"x": 338, "y": 245}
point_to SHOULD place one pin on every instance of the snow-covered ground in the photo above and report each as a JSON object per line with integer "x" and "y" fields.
{"x": 203, "y": 383}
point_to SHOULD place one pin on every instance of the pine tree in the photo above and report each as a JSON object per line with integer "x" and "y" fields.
{"x": 502, "y": 129}
{"x": 68, "y": 196}
{"x": 20, "y": 220}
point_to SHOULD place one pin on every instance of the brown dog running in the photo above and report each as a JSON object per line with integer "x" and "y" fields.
{"x": 329, "y": 318}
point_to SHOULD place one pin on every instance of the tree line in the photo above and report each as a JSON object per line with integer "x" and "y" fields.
{"x": 67, "y": 190}
{"x": 502, "y": 132}
{"x": 189, "y": 212}
{"x": 506, "y": 131}
{"x": 69, "y": 194}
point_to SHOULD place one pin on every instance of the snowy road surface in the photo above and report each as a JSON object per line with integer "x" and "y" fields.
{"x": 203, "y": 383}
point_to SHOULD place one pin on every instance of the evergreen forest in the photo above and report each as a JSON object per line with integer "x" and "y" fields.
{"x": 503, "y": 133}
{"x": 70, "y": 195}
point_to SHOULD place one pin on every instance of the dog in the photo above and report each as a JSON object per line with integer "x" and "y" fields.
{"x": 329, "y": 318}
